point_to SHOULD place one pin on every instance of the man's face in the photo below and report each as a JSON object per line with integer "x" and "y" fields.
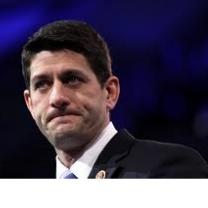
{"x": 66, "y": 100}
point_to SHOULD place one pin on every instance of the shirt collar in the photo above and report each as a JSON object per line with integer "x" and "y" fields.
{"x": 83, "y": 165}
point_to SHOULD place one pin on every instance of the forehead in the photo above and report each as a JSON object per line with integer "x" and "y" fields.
{"x": 58, "y": 61}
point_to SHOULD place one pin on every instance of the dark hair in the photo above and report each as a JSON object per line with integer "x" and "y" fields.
{"x": 73, "y": 35}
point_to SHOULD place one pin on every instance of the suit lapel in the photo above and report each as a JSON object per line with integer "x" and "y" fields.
{"x": 107, "y": 164}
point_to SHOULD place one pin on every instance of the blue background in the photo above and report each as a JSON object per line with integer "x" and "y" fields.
{"x": 159, "y": 51}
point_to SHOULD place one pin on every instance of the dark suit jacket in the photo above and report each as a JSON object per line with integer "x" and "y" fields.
{"x": 127, "y": 157}
{"x": 123, "y": 157}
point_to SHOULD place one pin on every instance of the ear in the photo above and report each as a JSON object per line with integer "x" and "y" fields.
{"x": 113, "y": 90}
{"x": 28, "y": 101}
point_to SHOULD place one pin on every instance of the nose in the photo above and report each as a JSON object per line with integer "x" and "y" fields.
{"x": 59, "y": 97}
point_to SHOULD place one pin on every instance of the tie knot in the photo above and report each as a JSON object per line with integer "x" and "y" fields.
{"x": 68, "y": 175}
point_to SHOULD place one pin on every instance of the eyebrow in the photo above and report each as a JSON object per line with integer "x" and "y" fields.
{"x": 72, "y": 72}
{"x": 63, "y": 74}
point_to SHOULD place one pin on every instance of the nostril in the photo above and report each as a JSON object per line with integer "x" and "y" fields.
{"x": 60, "y": 104}
{"x": 59, "y": 100}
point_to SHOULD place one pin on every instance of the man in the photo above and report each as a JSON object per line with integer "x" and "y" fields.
{"x": 70, "y": 93}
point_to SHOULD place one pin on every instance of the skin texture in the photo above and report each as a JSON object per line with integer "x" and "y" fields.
{"x": 67, "y": 102}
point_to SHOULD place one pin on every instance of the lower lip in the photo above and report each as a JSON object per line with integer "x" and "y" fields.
{"x": 63, "y": 119}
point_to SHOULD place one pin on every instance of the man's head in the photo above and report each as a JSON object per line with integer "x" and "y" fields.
{"x": 70, "y": 86}
{"x": 73, "y": 35}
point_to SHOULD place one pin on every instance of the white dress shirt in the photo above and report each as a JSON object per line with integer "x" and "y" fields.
{"x": 83, "y": 165}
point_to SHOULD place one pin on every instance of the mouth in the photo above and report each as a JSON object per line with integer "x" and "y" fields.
{"x": 61, "y": 116}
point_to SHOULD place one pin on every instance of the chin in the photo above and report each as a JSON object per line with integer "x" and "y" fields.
{"x": 66, "y": 141}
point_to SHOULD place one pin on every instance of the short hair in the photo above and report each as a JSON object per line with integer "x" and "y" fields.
{"x": 77, "y": 36}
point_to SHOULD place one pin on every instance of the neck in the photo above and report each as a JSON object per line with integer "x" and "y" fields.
{"x": 68, "y": 158}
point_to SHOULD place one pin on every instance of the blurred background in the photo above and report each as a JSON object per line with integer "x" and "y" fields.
{"x": 159, "y": 51}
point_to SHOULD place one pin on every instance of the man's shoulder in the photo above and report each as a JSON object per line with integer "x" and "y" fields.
{"x": 162, "y": 159}
{"x": 163, "y": 149}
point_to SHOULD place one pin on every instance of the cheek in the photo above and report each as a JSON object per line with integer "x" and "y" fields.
{"x": 92, "y": 102}
{"x": 38, "y": 108}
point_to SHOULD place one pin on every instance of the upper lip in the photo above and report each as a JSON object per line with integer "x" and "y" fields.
{"x": 55, "y": 114}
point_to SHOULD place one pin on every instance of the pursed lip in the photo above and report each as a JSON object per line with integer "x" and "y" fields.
{"x": 56, "y": 114}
